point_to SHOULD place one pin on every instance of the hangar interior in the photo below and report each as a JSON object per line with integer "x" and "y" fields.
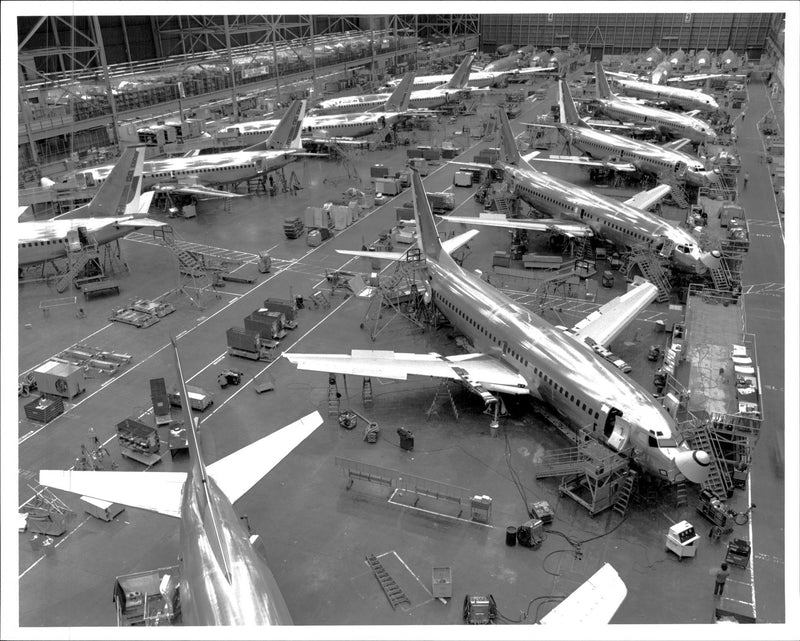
{"x": 585, "y": 398}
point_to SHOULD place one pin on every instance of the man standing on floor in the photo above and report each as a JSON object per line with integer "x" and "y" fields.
{"x": 722, "y": 576}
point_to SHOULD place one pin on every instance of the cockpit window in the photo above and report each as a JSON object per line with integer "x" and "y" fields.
{"x": 651, "y": 441}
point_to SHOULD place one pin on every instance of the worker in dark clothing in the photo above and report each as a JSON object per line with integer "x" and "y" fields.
{"x": 722, "y": 576}
{"x": 745, "y": 179}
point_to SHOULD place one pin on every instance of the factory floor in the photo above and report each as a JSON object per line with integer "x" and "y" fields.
{"x": 316, "y": 531}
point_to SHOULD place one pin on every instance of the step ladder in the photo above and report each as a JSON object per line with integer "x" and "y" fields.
{"x": 366, "y": 392}
{"x": 624, "y": 496}
{"x": 504, "y": 204}
{"x": 678, "y": 193}
{"x": 393, "y": 591}
{"x": 717, "y": 477}
{"x": 720, "y": 279}
{"x": 442, "y": 393}
{"x": 76, "y": 262}
{"x": 320, "y": 300}
{"x": 681, "y": 497}
{"x": 333, "y": 396}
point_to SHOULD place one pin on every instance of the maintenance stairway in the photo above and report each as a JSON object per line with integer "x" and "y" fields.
{"x": 718, "y": 481}
{"x": 678, "y": 193}
{"x": 649, "y": 264}
{"x": 591, "y": 473}
{"x": 77, "y": 262}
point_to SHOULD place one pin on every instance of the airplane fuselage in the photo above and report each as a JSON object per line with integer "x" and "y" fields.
{"x": 647, "y": 157}
{"x": 559, "y": 369}
{"x": 683, "y": 98}
{"x": 43, "y": 241}
{"x": 251, "y": 597}
{"x": 211, "y": 169}
{"x": 675, "y": 124}
{"x": 354, "y": 125}
{"x": 611, "y": 219}
{"x": 424, "y": 99}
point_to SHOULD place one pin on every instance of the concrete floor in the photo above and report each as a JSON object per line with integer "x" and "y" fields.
{"x": 317, "y": 533}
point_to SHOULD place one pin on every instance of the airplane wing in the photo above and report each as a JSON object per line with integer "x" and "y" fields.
{"x": 624, "y": 75}
{"x": 646, "y": 199}
{"x": 582, "y": 161}
{"x": 697, "y": 77}
{"x": 693, "y": 113}
{"x": 450, "y": 245}
{"x": 158, "y": 492}
{"x": 594, "y": 602}
{"x": 676, "y": 145}
{"x": 194, "y": 190}
{"x": 625, "y": 127}
{"x": 605, "y": 324}
{"x": 532, "y": 224}
{"x": 478, "y": 370}
{"x": 238, "y": 472}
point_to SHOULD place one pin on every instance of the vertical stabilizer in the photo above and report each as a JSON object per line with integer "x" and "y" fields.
{"x": 601, "y": 84}
{"x": 569, "y": 114}
{"x": 401, "y": 95}
{"x": 428, "y": 237}
{"x": 119, "y": 194}
{"x": 508, "y": 145}
{"x": 461, "y": 76}
{"x": 287, "y": 134}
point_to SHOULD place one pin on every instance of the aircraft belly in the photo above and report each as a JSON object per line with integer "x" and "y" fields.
{"x": 207, "y": 597}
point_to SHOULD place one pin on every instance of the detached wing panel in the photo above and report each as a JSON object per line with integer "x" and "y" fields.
{"x": 481, "y": 369}
{"x": 646, "y": 199}
{"x": 532, "y": 224}
{"x": 605, "y": 324}
{"x": 594, "y": 602}
{"x": 155, "y": 491}
{"x": 238, "y": 472}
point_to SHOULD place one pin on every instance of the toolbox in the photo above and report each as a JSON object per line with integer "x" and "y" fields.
{"x": 738, "y": 553}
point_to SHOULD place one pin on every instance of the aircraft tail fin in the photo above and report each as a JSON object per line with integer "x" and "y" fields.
{"x": 120, "y": 192}
{"x": 601, "y": 83}
{"x": 569, "y": 114}
{"x": 401, "y": 95}
{"x": 461, "y": 76}
{"x": 428, "y": 237}
{"x": 287, "y": 134}
{"x": 508, "y": 145}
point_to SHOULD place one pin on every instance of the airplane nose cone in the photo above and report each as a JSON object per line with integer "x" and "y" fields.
{"x": 711, "y": 259}
{"x": 694, "y": 465}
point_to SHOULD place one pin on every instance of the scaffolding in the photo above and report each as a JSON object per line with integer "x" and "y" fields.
{"x": 591, "y": 474}
{"x": 400, "y": 294}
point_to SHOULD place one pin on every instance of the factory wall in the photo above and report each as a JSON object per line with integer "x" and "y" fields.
{"x": 623, "y": 33}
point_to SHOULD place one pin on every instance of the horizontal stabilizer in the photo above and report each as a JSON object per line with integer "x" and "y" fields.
{"x": 481, "y": 369}
{"x": 646, "y": 199}
{"x": 155, "y": 491}
{"x": 578, "y": 230}
{"x": 238, "y": 472}
{"x": 141, "y": 222}
{"x": 606, "y": 323}
{"x": 594, "y": 602}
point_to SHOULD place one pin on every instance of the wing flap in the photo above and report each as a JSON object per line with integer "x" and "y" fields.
{"x": 482, "y": 369}
{"x": 141, "y": 222}
{"x": 236, "y": 473}
{"x": 155, "y": 491}
{"x": 646, "y": 199}
{"x": 605, "y": 324}
{"x": 532, "y": 224}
